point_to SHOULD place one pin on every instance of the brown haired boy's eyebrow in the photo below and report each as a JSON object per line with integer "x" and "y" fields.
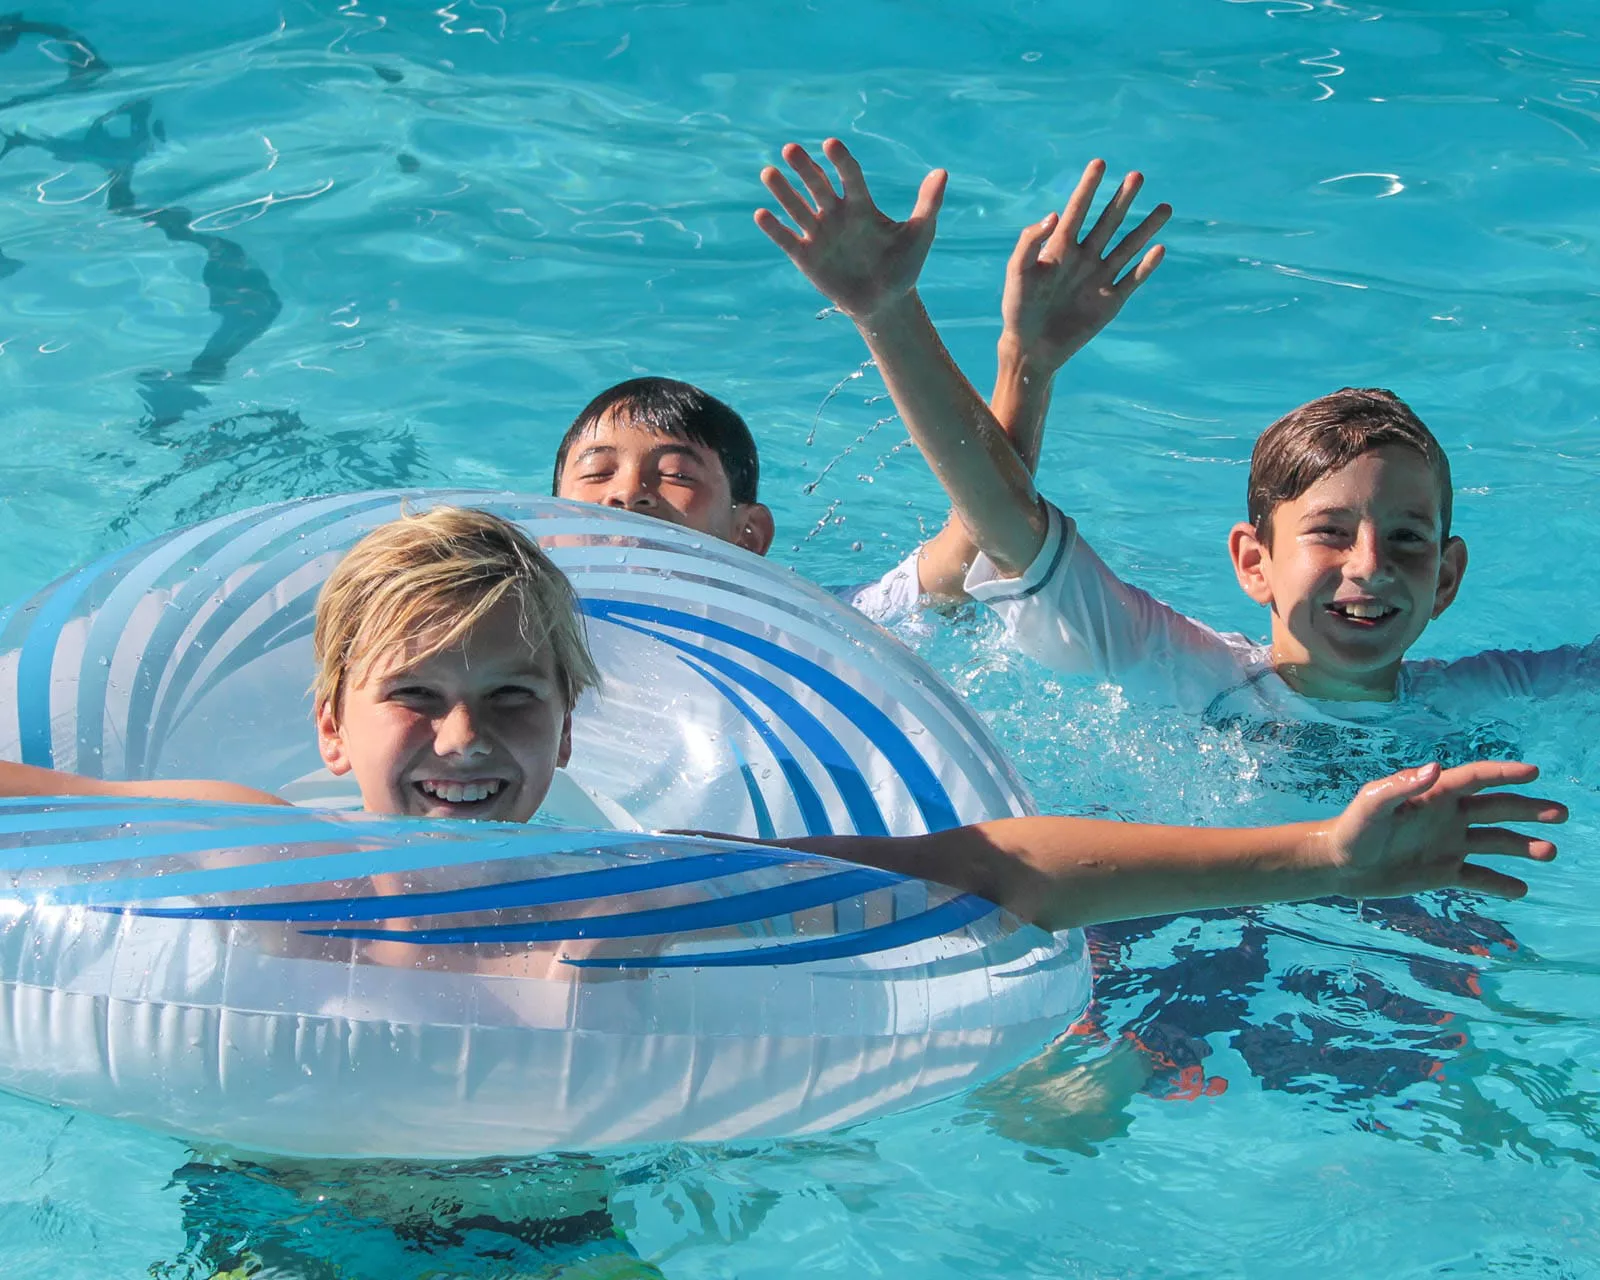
{"x": 1323, "y": 513}
{"x": 592, "y": 451}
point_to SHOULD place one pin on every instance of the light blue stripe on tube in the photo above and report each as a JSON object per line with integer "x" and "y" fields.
{"x": 38, "y": 658}
{"x": 286, "y": 873}
{"x": 111, "y": 622}
{"x": 271, "y": 524}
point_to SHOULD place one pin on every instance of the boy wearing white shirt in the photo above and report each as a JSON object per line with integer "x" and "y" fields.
{"x": 1348, "y": 539}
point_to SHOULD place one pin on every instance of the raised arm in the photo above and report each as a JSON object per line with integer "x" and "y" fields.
{"x": 29, "y": 780}
{"x": 1059, "y": 292}
{"x": 1400, "y": 835}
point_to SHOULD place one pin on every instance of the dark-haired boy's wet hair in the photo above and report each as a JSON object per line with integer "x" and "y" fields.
{"x": 672, "y": 408}
{"x": 1328, "y": 434}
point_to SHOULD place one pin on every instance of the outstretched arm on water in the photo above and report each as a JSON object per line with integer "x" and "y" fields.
{"x": 29, "y": 780}
{"x": 1401, "y": 834}
{"x": 1060, "y": 291}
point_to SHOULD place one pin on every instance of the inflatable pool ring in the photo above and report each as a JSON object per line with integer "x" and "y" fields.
{"x": 317, "y": 982}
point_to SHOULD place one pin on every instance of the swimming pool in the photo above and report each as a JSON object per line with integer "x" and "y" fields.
{"x": 430, "y": 233}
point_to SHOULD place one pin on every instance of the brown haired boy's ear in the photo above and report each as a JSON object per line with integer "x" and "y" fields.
{"x": 753, "y": 527}
{"x": 330, "y": 742}
{"x": 1452, "y": 568}
{"x": 1249, "y": 555}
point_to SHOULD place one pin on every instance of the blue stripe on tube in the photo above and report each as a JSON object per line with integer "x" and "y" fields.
{"x": 853, "y": 789}
{"x": 932, "y": 800}
{"x": 812, "y": 811}
{"x": 578, "y": 886}
{"x": 714, "y": 913}
{"x": 947, "y": 917}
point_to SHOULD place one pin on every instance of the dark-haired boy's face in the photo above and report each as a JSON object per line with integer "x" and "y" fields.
{"x": 1354, "y": 571}
{"x": 635, "y": 468}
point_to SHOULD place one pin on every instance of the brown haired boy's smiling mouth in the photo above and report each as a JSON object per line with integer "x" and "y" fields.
{"x": 1362, "y": 611}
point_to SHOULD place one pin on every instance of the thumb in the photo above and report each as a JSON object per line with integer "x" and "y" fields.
{"x": 1031, "y": 241}
{"x": 1388, "y": 794}
{"x": 930, "y": 196}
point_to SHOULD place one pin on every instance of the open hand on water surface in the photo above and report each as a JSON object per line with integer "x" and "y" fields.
{"x": 1415, "y": 830}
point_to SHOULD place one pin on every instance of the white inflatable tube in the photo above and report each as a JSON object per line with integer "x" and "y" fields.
{"x": 315, "y": 982}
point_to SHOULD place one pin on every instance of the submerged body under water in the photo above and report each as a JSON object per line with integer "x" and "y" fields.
{"x": 252, "y": 254}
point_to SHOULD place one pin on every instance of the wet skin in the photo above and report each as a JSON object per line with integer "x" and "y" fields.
{"x": 635, "y": 468}
{"x": 474, "y": 731}
{"x": 1354, "y": 571}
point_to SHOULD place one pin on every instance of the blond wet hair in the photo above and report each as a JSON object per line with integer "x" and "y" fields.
{"x": 417, "y": 585}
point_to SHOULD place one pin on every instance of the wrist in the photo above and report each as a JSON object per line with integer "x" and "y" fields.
{"x": 1026, "y": 360}
{"x": 888, "y": 313}
{"x": 1318, "y": 861}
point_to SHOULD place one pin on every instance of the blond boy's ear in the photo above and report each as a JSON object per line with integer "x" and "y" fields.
{"x": 330, "y": 742}
{"x": 1452, "y": 568}
{"x": 565, "y": 752}
{"x": 754, "y": 527}
{"x": 1250, "y": 557}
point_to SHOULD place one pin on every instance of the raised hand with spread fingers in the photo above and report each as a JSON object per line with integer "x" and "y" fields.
{"x": 1060, "y": 291}
{"x": 859, "y": 258}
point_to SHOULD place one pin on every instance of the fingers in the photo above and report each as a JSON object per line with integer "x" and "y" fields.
{"x": 1142, "y": 272}
{"x": 1141, "y": 235}
{"x": 851, "y": 178}
{"x": 1511, "y": 806}
{"x": 1393, "y": 791}
{"x": 930, "y": 196}
{"x": 1469, "y": 778}
{"x": 1112, "y": 215}
{"x": 810, "y": 173}
{"x": 1078, "y": 206}
{"x": 1493, "y": 883}
{"x": 779, "y": 234}
{"x": 792, "y": 202}
{"x": 1502, "y": 842}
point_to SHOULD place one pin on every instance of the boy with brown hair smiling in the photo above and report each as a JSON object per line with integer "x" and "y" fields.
{"x": 1348, "y": 539}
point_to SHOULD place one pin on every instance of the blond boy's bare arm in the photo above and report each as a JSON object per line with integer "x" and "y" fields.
{"x": 1402, "y": 834}
{"x": 29, "y": 780}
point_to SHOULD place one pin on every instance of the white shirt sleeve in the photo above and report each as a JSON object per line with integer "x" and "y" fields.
{"x": 891, "y": 596}
{"x": 1072, "y": 613}
{"x": 1508, "y": 673}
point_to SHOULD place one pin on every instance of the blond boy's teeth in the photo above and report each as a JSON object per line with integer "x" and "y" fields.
{"x": 461, "y": 792}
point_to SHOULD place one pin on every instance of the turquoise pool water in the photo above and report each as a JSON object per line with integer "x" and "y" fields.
{"x": 416, "y": 238}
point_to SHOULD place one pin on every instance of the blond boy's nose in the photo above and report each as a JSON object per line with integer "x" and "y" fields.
{"x": 457, "y": 734}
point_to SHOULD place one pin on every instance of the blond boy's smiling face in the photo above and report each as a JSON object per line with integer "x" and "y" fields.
{"x": 634, "y": 468}
{"x": 474, "y": 731}
{"x": 1354, "y": 571}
